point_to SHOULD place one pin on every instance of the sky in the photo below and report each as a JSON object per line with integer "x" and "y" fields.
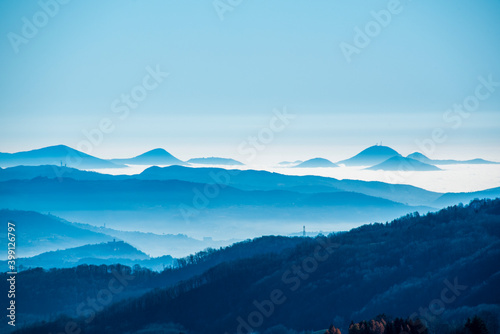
{"x": 253, "y": 80}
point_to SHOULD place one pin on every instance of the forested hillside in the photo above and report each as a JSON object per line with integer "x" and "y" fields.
{"x": 64, "y": 290}
{"x": 441, "y": 268}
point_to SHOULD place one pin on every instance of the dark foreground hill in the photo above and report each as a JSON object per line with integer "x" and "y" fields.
{"x": 439, "y": 266}
{"x": 73, "y": 291}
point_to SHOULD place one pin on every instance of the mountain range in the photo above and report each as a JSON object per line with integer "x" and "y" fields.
{"x": 263, "y": 180}
{"x": 59, "y": 155}
{"x": 175, "y": 206}
{"x": 247, "y": 180}
{"x": 212, "y": 202}
{"x": 241, "y": 179}
{"x": 399, "y": 163}
{"x": 42, "y": 233}
{"x": 399, "y": 269}
{"x": 177, "y": 245}
{"x": 62, "y": 155}
{"x": 422, "y": 158}
{"x": 109, "y": 253}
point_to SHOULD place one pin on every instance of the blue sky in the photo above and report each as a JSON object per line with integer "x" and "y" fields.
{"x": 227, "y": 76}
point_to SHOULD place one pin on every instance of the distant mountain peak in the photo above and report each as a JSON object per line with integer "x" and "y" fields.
{"x": 316, "y": 162}
{"x": 399, "y": 163}
{"x": 422, "y": 158}
{"x": 55, "y": 155}
{"x": 52, "y": 149}
{"x": 60, "y": 146}
{"x": 418, "y": 156}
{"x": 157, "y": 156}
{"x": 378, "y": 149}
{"x": 157, "y": 152}
{"x": 370, "y": 156}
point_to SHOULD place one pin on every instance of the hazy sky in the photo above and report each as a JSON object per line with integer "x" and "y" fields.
{"x": 229, "y": 66}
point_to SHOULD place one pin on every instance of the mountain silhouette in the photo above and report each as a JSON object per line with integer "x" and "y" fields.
{"x": 371, "y": 156}
{"x": 422, "y": 158}
{"x": 134, "y": 194}
{"x": 59, "y": 155}
{"x": 215, "y": 161}
{"x": 157, "y": 156}
{"x": 316, "y": 162}
{"x": 454, "y": 198}
{"x": 64, "y": 289}
{"x": 167, "y": 205}
{"x": 263, "y": 180}
{"x": 241, "y": 179}
{"x": 103, "y": 253}
{"x": 392, "y": 268}
{"x": 176, "y": 245}
{"x": 43, "y": 233}
{"x": 399, "y": 163}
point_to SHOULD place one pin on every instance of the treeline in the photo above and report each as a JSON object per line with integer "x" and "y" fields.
{"x": 243, "y": 249}
{"x": 382, "y": 325}
{"x": 55, "y": 291}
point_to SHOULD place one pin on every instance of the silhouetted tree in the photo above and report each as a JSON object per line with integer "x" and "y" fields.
{"x": 332, "y": 330}
{"x": 476, "y": 326}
